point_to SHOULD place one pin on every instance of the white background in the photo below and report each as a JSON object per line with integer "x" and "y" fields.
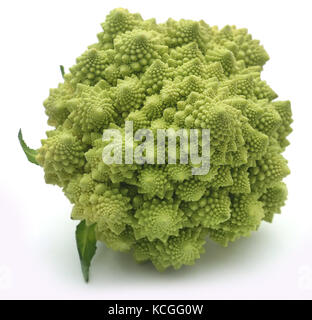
{"x": 38, "y": 258}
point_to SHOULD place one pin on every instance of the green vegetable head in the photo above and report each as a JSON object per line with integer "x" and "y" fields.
{"x": 173, "y": 75}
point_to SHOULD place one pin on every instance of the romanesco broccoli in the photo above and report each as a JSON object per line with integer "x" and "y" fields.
{"x": 177, "y": 74}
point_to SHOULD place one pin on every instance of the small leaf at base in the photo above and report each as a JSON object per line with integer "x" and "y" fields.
{"x": 86, "y": 245}
{"x": 62, "y": 70}
{"x": 30, "y": 153}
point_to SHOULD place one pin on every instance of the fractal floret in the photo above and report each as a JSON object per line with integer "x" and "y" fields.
{"x": 177, "y": 74}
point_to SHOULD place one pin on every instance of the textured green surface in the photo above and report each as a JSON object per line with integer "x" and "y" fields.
{"x": 178, "y": 74}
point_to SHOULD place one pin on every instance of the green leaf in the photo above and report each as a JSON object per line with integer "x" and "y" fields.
{"x": 62, "y": 70}
{"x": 30, "y": 153}
{"x": 86, "y": 245}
